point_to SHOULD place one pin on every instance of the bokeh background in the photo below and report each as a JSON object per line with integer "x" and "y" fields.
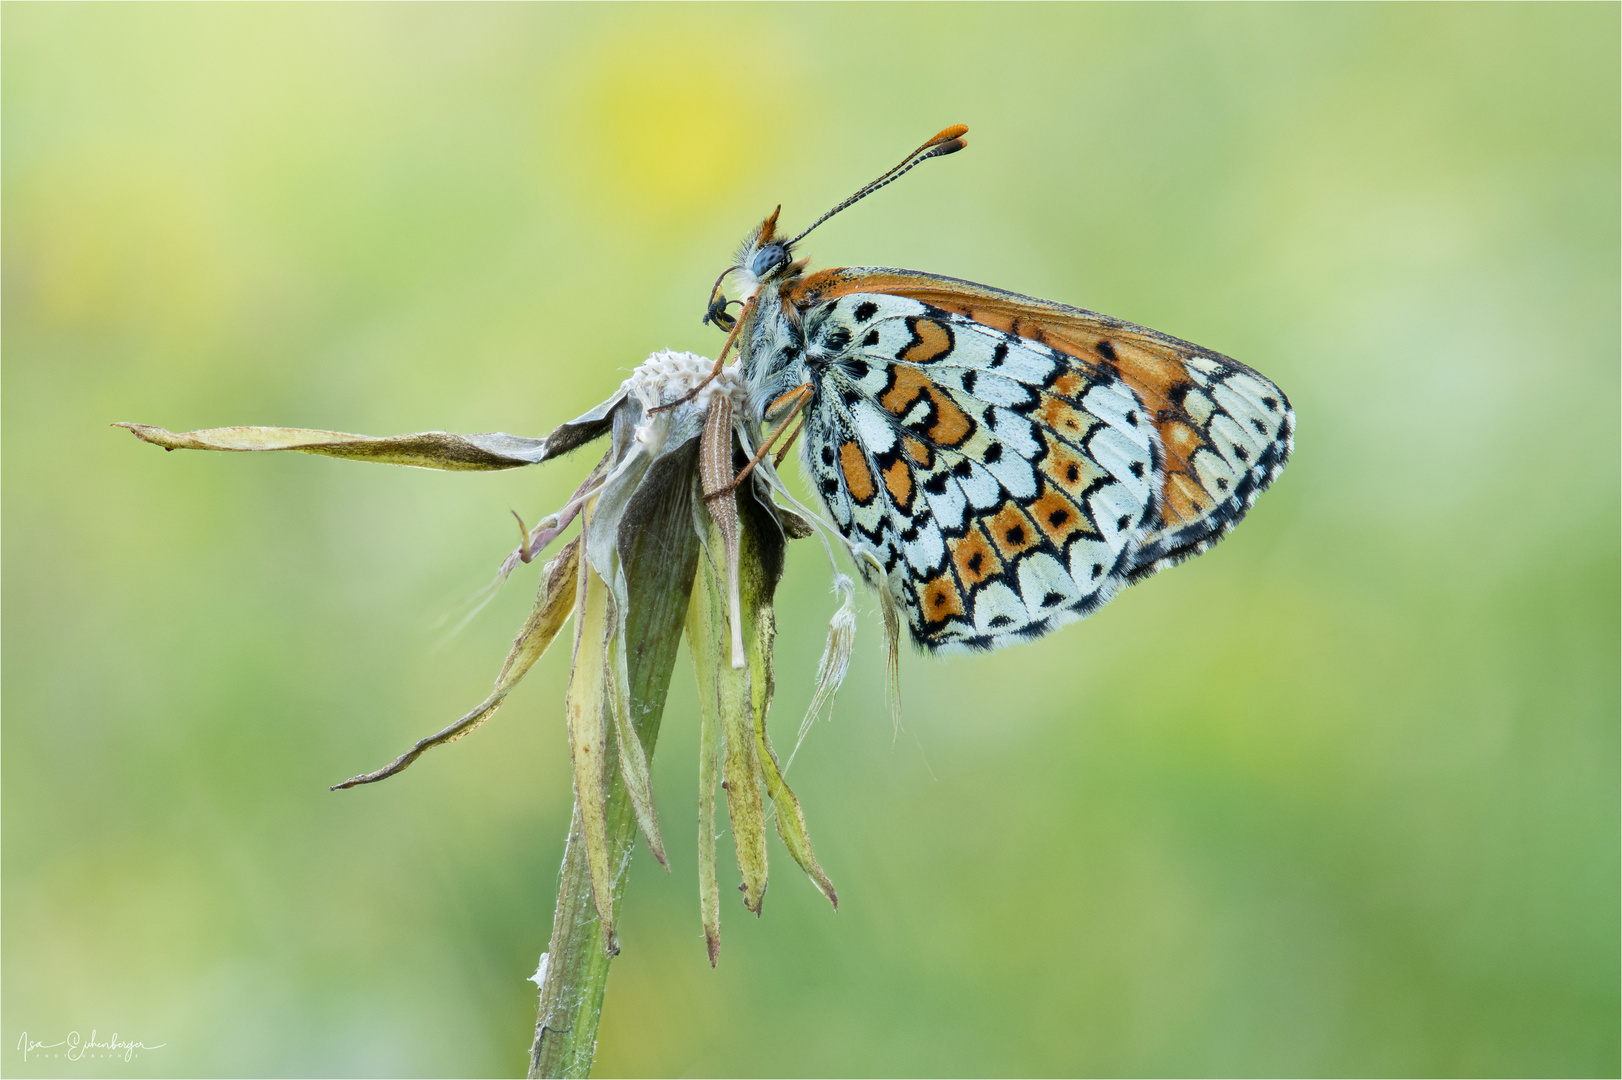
{"x": 1340, "y": 797}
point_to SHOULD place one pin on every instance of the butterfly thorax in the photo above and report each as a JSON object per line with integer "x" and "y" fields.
{"x": 774, "y": 351}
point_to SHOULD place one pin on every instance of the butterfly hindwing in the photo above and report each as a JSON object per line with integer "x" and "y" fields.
{"x": 1004, "y": 488}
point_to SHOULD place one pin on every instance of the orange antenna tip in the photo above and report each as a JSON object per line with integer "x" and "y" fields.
{"x": 946, "y": 141}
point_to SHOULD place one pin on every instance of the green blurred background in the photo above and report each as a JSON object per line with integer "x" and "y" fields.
{"x": 1340, "y": 797}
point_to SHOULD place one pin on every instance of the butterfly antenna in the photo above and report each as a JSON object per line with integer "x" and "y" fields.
{"x": 949, "y": 141}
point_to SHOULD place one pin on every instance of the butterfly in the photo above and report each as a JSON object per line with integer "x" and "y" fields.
{"x": 1000, "y": 465}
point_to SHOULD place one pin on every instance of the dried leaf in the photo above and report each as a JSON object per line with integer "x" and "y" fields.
{"x": 552, "y": 607}
{"x": 424, "y": 450}
{"x": 760, "y": 627}
{"x": 735, "y": 715}
{"x": 624, "y": 481}
{"x": 703, "y": 642}
{"x": 632, "y": 759}
{"x": 790, "y": 818}
{"x": 588, "y": 707}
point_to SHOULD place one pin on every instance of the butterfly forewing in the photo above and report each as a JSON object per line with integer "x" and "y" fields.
{"x": 1224, "y": 430}
{"x": 1005, "y": 487}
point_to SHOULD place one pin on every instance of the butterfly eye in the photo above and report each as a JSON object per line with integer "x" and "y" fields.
{"x": 768, "y": 260}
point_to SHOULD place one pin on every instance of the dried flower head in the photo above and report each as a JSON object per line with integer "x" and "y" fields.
{"x": 670, "y": 539}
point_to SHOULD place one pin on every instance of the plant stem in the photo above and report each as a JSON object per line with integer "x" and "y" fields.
{"x": 577, "y": 965}
{"x": 658, "y": 551}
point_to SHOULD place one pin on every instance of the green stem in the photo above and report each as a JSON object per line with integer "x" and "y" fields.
{"x": 577, "y": 965}
{"x": 659, "y": 552}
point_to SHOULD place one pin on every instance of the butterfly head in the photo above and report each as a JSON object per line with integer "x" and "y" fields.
{"x": 765, "y": 258}
{"x": 762, "y": 257}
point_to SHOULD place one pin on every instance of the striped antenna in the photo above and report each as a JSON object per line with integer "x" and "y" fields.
{"x": 949, "y": 141}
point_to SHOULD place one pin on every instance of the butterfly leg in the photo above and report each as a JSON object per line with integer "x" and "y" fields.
{"x": 788, "y": 443}
{"x": 720, "y": 362}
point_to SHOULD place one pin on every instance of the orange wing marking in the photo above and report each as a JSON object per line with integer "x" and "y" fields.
{"x": 952, "y": 425}
{"x": 905, "y": 386}
{"x": 974, "y": 557}
{"x": 898, "y": 481}
{"x": 940, "y": 599}
{"x": 1058, "y": 517}
{"x": 1067, "y": 420}
{"x": 857, "y": 477}
{"x": 1069, "y": 384}
{"x": 930, "y": 341}
{"x": 1065, "y": 467}
{"x": 1011, "y": 531}
{"x": 1185, "y": 499}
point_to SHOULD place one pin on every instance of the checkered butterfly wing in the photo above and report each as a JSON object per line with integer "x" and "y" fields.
{"x": 1011, "y": 462}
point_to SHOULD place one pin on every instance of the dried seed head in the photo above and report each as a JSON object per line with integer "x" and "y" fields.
{"x": 666, "y": 376}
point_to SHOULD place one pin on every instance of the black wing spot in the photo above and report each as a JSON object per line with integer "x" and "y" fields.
{"x": 1222, "y": 484}
{"x": 836, "y": 340}
{"x": 866, "y": 310}
{"x": 993, "y": 454}
{"x": 1260, "y": 427}
{"x": 1000, "y": 620}
{"x": 871, "y": 339}
{"x": 1098, "y": 570}
{"x": 1271, "y": 403}
{"x": 1123, "y": 521}
{"x": 857, "y": 369}
{"x": 1016, "y": 535}
{"x": 999, "y": 354}
{"x": 936, "y": 485}
{"x": 909, "y": 535}
{"x": 827, "y": 455}
{"x": 829, "y": 487}
{"x": 1136, "y": 468}
{"x": 1073, "y": 473}
{"x": 1052, "y": 598}
{"x": 968, "y": 381}
{"x": 1107, "y": 351}
{"x": 963, "y": 469}
{"x": 1132, "y": 418}
{"x": 1239, "y": 452}
{"x": 1058, "y": 518}
{"x": 975, "y": 560}
{"x": 1179, "y": 393}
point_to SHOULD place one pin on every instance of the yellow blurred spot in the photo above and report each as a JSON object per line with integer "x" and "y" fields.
{"x": 664, "y": 126}
{"x": 120, "y": 239}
